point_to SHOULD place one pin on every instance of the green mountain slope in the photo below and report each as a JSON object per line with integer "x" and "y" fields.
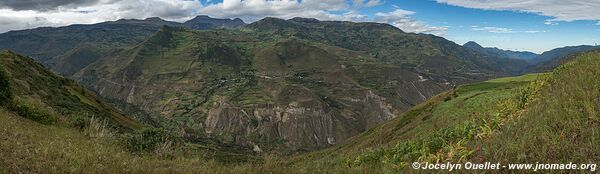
{"x": 554, "y": 58}
{"x": 68, "y": 49}
{"x": 500, "y": 120}
{"x": 36, "y": 92}
{"x": 49, "y": 124}
{"x": 426, "y": 53}
{"x": 258, "y": 85}
{"x": 499, "y": 53}
{"x": 247, "y": 91}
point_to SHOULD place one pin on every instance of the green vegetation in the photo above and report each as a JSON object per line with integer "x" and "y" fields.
{"x": 558, "y": 121}
{"x": 31, "y": 112}
{"x": 150, "y": 139}
{"x": 441, "y": 129}
{"x": 550, "y": 118}
{"x": 5, "y": 93}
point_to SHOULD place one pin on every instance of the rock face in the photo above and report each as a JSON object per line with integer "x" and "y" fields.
{"x": 305, "y": 122}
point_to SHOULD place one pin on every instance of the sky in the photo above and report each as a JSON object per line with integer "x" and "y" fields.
{"x": 522, "y": 25}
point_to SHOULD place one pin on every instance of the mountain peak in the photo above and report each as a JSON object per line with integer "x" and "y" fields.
{"x": 473, "y": 44}
{"x": 207, "y": 22}
{"x": 154, "y": 19}
{"x": 304, "y": 20}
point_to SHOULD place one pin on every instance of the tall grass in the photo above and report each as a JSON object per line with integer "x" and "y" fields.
{"x": 561, "y": 125}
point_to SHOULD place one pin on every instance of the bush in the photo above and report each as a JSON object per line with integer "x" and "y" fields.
{"x": 5, "y": 93}
{"x": 150, "y": 139}
{"x": 26, "y": 110}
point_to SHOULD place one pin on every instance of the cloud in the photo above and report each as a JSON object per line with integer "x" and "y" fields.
{"x": 401, "y": 19}
{"x": 43, "y": 5}
{"x": 252, "y": 10}
{"x": 550, "y": 23}
{"x": 492, "y": 29}
{"x": 504, "y": 30}
{"x": 559, "y": 10}
{"x": 367, "y": 3}
{"x": 104, "y": 10}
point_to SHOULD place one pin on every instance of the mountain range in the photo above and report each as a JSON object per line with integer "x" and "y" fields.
{"x": 537, "y": 62}
{"x": 252, "y": 85}
{"x": 256, "y": 84}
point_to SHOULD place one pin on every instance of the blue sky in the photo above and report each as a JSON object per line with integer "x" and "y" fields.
{"x": 532, "y": 25}
{"x": 506, "y": 29}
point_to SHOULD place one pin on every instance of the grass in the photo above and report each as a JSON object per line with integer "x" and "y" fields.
{"x": 561, "y": 125}
{"x": 546, "y": 118}
{"x": 30, "y": 147}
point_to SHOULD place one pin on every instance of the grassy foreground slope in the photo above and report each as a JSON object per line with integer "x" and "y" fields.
{"x": 545, "y": 118}
{"x": 439, "y": 129}
{"x": 560, "y": 124}
{"x": 49, "y": 124}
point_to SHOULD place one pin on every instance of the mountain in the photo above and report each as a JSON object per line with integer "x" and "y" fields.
{"x": 553, "y": 58}
{"x": 495, "y": 52}
{"x": 284, "y": 85}
{"x": 68, "y": 49}
{"x": 205, "y": 22}
{"x": 52, "y": 124}
{"x": 36, "y": 93}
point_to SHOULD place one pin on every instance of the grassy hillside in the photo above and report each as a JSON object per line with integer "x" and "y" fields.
{"x": 246, "y": 91}
{"x": 30, "y": 88}
{"x": 440, "y": 126}
{"x": 546, "y": 118}
{"x": 49, "y": 124}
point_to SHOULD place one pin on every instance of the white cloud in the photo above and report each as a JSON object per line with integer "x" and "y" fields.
{"x": 65, "y": 13}
{"x": 550, "y": 23}
{"x": 492, "y": 29}
{"x": 504, "y": 30}
{"x": 560, "y": 10}
{"x": 366, "y": 3}
{"x": 401, "y": 19}
{"x": 252, "y": 10}
{"x": 169, "y": 9}
{"x": 534, "y": 31}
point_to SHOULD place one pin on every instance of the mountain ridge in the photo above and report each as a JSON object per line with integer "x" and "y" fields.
{"x": 522, "y": 55}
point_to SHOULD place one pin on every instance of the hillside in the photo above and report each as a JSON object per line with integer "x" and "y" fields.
{"x": 498, "y": 120}
{"x": 255, "y": 86}
{"x": 49, "y": 124}
{"x": 554, "y": 58}
{"x": 499, "y": 53}
{"x": 252, "y": 92}
{"x": 68, "y": 49}
{"x": 32, "y": 90}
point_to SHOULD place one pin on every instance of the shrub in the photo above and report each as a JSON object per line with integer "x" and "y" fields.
{"x": 150, "y": 139}
{"x": 5, "y": 93}
{"x": 31, "y": 112}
